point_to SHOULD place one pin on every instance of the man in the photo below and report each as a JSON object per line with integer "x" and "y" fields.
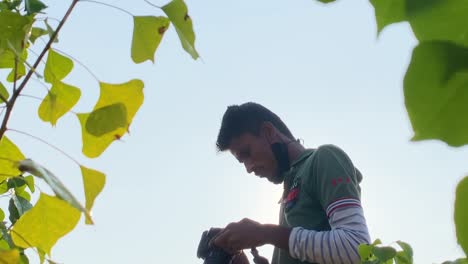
{"x": 321, "y": 218}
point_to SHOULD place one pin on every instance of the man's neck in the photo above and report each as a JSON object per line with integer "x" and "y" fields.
{"x": 295, "y": 149}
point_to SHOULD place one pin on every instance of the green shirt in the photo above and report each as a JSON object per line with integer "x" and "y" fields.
{"x": 318, "y": 178}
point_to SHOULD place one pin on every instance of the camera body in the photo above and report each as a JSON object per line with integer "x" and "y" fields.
{"x": 212, "y": 254}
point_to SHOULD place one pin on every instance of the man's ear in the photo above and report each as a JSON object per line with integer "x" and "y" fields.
{"x": 268, "y": 130}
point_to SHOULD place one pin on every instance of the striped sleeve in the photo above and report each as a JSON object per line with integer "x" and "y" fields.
{"x": 341, "y": 203}
{"x": 340, "y": 244}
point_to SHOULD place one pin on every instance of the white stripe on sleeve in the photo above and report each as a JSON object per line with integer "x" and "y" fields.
{"x": 339, "y": 245}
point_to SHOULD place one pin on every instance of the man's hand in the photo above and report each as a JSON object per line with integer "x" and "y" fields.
{"x": 257, "y": 258}
{"x": 241, "y": 235}
{"x": 240, "y": 259}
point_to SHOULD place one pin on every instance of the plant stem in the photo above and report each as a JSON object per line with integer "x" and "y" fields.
{"x": 79, "y": 62}
{"x": 47, "y": 143}
{"x": 15, "y": 73}
{"x": 106, "y": 4}
{"x": 17, "y": 92}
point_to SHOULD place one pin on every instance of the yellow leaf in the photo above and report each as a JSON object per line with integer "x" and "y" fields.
{"x": 93, "y": 182}
{"x": 177, "y": 12}
{"x": 147, "y": 34}
{"x": 60, "y": 99}
{"x": 49, "y": 220}
{"x": 9, "y": 256}
{"x": 10, "y": 156}
{"x": 130, "y": 94}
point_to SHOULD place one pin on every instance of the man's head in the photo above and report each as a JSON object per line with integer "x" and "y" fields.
{"x": 257, "y": 138}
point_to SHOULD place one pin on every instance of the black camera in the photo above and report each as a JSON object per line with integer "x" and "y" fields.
{"x": 212, "y": 254}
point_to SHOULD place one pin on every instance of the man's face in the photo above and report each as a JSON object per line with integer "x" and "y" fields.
{"x": 256, "y": 155}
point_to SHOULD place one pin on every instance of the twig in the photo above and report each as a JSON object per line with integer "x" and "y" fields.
{"x": 79, "y": 62}
{"x": 106, "y": 4}
{"x": 47, "y": 143}
{"x": 16, "y": 93}
{"x": 151, "y": 4}
{"x": 15, "y": 73}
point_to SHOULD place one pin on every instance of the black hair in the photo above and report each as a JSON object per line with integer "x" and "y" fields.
{"x": 247, "y": 118}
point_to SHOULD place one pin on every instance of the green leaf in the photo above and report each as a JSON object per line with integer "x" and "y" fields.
{"x": 436, "y": 92}
{"x": 2, "y": 215}
{"x": 147, "y": 34}
{"x": 13, "y": 30}
{"x": 7, "y": 59}
{"x": 30, "y": 182}
{"x": 388, "y": 12}
{"x": 23, "y": 194}
{"x": 10, "y": 156}
{"x": 34, "y": 6}
{"x": 439, "y": 20}
{"x": 177, "y": 12}
{"x": 4, "y": 245}
{"x": 36, "y": 33}
{"x": 22, "y": 205}
{"x": 60, "y": 99}
{"x": 57, "y": 186}
{"x": 57, "y": 67}
{"x": 16, "y": 182}
{"x": 6, "y": 235}
{"x": 107, "y": 119}
{"x": 461, "y": 214}
{"x": 9, "y": 256}
{"x": 14, "y": 214}
{"x": 23, "y": 259}
{"x": 94, "y": 182}
{"x": 41, "y": 254}
{"x": 3, "y": 92}
{"x": 131, "y": 95}
{"x": 365, "y": 251}
{"x": 49, "y": 219}
{"x": 20, "y": 72}
{"x": 407, "y": 250}
{"x": 10, "y": 4}
{"x": 401, "y": 258}
{"x": 3, "y": 187}
{"x": 384, "y": 253}
{"x": 51, "y": 31}
{"x": 326, "y": 1}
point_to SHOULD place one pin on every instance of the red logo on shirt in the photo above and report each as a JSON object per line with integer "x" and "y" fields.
{"x": 339, "y": 180}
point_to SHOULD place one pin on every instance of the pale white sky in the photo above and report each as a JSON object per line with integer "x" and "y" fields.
{"x": 321, "y": 68}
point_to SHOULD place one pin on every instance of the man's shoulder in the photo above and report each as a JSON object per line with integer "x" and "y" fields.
{"x": 329, "y": 151}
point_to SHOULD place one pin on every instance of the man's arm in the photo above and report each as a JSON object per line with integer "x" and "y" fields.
{"x": 338, "y": 245}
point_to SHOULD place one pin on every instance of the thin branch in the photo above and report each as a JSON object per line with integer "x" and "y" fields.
{"x": 32, "y": 96}
{"x": 151, "y": 4}
{"x": 15, "y": 95}
{"x": 109, "y": 5}
{"x": 37, "y": 55}
{"x": 79, "y": 62}
{"x": 42, "y": 99}
{"x": 47, "y": 143}
{"x": 15, "y": 73}
{"x": 41, "y": 83}
{"x": 45, "y": 18}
